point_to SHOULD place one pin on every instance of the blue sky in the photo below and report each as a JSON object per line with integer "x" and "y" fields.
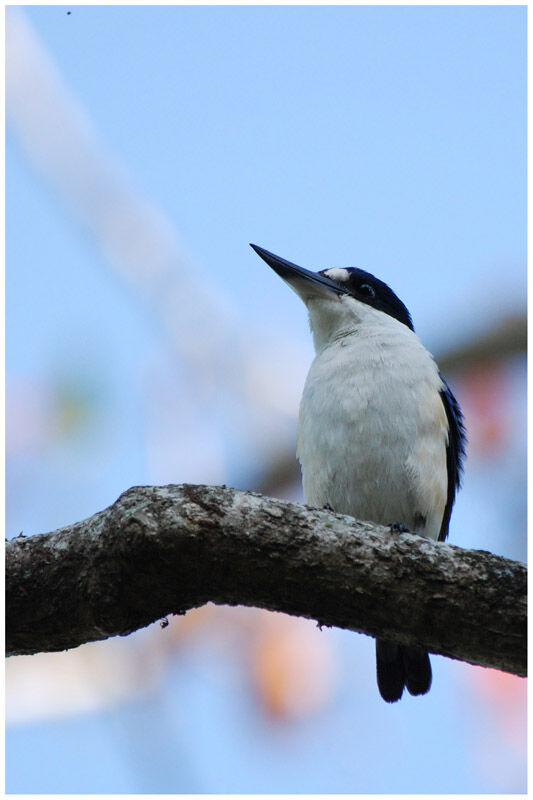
{"x": 391, "y": 138}
{"x": 386, "y": 137}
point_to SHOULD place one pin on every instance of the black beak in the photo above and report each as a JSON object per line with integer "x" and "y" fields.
{"x": 298, "y": 277}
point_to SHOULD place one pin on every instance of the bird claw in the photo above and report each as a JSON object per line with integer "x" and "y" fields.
{"x": 398, "y": 527}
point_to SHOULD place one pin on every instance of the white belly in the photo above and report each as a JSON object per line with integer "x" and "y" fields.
{"x": 373, "y": 431}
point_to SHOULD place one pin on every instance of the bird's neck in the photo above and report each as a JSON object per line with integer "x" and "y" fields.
{"x": 339, "y": 320}
{"x": 331, "y": 320}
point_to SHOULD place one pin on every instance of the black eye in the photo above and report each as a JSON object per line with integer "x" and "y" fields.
{"x": 366, "y": 290}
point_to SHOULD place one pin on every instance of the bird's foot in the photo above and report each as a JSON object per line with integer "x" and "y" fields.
{"x": 398, "y": 527}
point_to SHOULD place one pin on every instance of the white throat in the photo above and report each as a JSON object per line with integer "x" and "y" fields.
{"x": 333, "y": 317}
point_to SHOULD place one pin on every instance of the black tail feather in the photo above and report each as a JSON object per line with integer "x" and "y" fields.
{"x": 398, "y": 667}
{"x": 417, "y": 670}
{"x": 390, "y": 669}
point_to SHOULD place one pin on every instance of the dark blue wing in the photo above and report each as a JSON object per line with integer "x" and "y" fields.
{"x": 455, "y": 452}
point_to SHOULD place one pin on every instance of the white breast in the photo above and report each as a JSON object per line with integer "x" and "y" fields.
{"x": 372, "y": 427}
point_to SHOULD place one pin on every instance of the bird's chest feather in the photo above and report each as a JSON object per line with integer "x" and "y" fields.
{"x": 372, "y": 432}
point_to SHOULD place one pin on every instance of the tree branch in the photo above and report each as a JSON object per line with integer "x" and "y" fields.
{"x": 161, "y": 550}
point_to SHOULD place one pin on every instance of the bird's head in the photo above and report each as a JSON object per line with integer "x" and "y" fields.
{"x": 340, "y": 301}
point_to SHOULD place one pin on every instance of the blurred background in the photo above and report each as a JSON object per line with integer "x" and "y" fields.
{"x": 147, "y": 344}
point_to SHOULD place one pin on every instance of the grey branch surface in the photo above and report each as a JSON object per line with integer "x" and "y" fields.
{"x": 162, "y": 550}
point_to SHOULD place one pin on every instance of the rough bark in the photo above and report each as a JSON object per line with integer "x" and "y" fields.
{"x": 162, "y": 550}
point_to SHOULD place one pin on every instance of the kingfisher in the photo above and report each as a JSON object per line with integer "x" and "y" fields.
{"x": 380, "y": 434}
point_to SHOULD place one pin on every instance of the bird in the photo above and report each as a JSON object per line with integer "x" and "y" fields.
{"x": 381, "y": 436}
